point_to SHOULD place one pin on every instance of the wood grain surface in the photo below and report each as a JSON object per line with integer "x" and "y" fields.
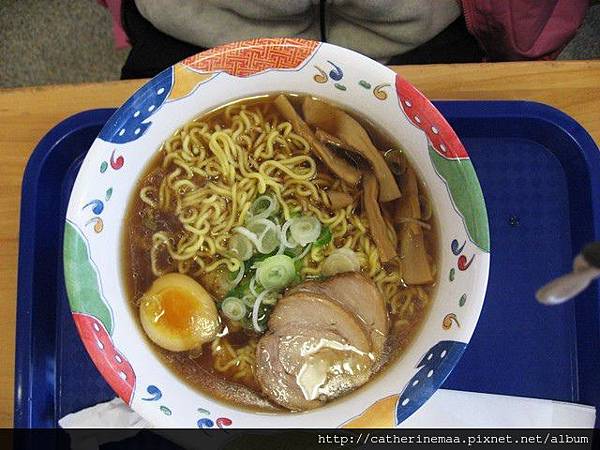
{"x": 26, "y": 114}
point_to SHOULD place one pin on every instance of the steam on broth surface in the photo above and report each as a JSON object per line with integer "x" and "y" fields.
{"x": 257, "y": 214}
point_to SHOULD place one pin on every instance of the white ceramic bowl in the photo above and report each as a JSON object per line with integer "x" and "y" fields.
{"x": 104, "y": 186}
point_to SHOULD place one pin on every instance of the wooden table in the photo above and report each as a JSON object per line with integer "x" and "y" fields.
{"x": 27, "y": 114}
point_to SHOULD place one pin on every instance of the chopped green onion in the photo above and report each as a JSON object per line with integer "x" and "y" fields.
{"x": 252, "y": 286}
{"x": 241, "y": 247}
{"x": 281, "y": 248}
{"x": 305, "y": 229}
{"x": 248, "y": 234}
{"x": 339, "y": 261}
{"x": 249, "y": 300}
{"x": 246, "y": 322}
{"x": 255, "y": 261}
{"x": 301, "y": 256}
{"x": 239, "y": 276}
{"x": 286, "y": 243}
{"x": 267, "y": 232}
{"x": 263, "y": 233}
{"x": 241, "y": 289}
{"x": 324, "y": 238}
{"x": 263, "y": 207}
{"x": 276, "y": 272}
{"x": 293, "y": 252}
{"x": 256, "y": 308}
{"x": 233, "y": 308}
{"x": 298, "y": 264}
{"x": 270, "y": 299}
{"x": 264, "y": 311}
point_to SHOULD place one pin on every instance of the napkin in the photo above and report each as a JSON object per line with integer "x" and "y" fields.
{"x": 458, "y": 409}
{"x": 445, "y": 409}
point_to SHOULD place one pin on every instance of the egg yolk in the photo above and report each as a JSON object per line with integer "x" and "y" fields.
{"x": 175, "y": 309}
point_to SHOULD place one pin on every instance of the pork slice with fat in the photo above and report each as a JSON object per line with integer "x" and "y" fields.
{"x": 302, "y": 368}
{"x": 358, "y": 295}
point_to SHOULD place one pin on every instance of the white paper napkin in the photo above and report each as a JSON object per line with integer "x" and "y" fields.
{"x": 458, "y": 409}
{"x": 112, "y": 414}
{"x": 445, "y": 409}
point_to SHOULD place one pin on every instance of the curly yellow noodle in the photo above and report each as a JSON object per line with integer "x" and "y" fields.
{"x": 358, "y": 224}
{"x": 301, "y": 187}
{"x": 325, "y": 199}
{"x": 187, "y": 153}
{"x": 243, "y": 115}
{"x": 145, "y": 198}
{"x": 233, "y": 264}
{"x": 219, "y": 144}
{"x": 316, "y": 254}
{"x": 323, "y": 216}
{"x": 172, "y": 176}
{"x": 269, "y": 167}
{"x": 285, "y": 129}
{"x": 225, "y": 357}
{"x": 339, "y": 218}
{"x": 238, "y": 129}
{"x": 184, "y": 165}
{"x": 179, "y": 184}
{"x": 341, "y": 229}
{"x": 297, "y": 139}
{"x": 214, "y": 171}
{"x": 169, "y": 157}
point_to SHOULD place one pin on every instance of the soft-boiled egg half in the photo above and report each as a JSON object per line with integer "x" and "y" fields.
{"x": 178, "y": 314}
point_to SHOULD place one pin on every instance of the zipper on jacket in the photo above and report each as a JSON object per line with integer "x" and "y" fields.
{"x": 467, "y": 7}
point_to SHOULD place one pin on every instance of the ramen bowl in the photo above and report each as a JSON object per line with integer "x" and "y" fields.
{"x": 129, "y": 140}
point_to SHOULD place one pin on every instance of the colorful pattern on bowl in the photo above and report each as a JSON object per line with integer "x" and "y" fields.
{"x": 124, "y": 146}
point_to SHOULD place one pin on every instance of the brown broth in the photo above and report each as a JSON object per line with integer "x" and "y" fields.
{"x": 197, "y": 371}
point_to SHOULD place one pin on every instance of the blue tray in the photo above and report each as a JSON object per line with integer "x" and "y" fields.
{"x": 540, "y": 175}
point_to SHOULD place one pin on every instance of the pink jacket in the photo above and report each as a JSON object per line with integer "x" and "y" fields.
{"x": 508, "y": 30}
{"x": 114, "y": 6}
{"x": 512, "y": 30}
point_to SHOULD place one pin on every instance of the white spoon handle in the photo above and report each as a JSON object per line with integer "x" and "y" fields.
{"x": 566, "y": 287}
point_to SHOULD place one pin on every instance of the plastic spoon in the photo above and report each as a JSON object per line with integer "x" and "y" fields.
{"x": 586, "y": 268}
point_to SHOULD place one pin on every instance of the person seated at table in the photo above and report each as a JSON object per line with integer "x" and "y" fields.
{"x": 164, "y": 32}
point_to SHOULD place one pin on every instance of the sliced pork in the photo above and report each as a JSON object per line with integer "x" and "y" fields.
{"x": 358, "y": 295}
{"x": 301, "y": 368}
{"x": 323, "y": 341}
{"x": 314, "y": 311}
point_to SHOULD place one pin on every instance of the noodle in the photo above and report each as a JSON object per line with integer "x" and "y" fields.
{"x": 239, "y": 361}
{"x": 212, "y": 174}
